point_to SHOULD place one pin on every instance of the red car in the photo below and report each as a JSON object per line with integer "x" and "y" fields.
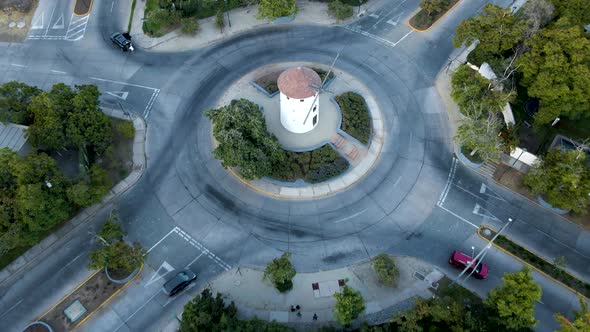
{"x": 460, "y": 260}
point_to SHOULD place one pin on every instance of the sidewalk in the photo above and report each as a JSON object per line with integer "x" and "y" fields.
{"x": 44, "y": 248}
{"x": 538, "y": 229}
{"x": 257, "y": 298}
{"x": 241, "y": 19}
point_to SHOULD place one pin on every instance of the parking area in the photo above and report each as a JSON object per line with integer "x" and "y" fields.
{"x": 55, "y": 20}
{"x": 388, "y": 24}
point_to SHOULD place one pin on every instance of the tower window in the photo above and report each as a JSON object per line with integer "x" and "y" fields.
{"x": 315, "y": 120}
{"x": 301, "y": 100}
{"x": 315, "y": 108}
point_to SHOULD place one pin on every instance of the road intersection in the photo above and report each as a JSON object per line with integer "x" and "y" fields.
{"x": 189, "y": 212}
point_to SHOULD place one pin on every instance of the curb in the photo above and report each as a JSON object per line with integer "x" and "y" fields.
{"x": 83, "y": 14}
{"x": 530, "y": 265}
{"x": 88, "y": 213}
{"x": 109, "y": 299}
{"x": 433, "y": 23}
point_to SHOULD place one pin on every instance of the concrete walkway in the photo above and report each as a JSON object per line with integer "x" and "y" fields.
{"x": 241, "y": 19}
{"x": 256, "y": 297}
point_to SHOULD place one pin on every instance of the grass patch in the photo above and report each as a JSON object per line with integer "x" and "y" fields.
{"x": 456, "y": 292}
{"x": 423, "y": 20}
{"x": 355, "y": 116}
{"x": 312, "y": 166}
{"x": 476, "y": 158}
{"x": 541, "y": 264}
{"x": 323, "y": 74}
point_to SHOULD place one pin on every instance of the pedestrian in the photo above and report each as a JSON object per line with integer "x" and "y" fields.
{"x": 299, "y": 314}
{"x": 315, "y": 316}
{"x": 292, "y": 308}
{"x": 297, "y": 307}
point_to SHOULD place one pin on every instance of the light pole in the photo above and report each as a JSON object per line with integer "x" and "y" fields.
{"x": 227, "y": 12}
{"x": 472, "y": 251}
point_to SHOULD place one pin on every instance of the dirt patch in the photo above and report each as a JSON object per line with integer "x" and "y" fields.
{"x": 15, "y": 19}
{"x": 424, "y": 20}
{"x": 82, "y": 7}
{"x": 269, "y": 82}
{"x": 513, "y": 179}
{"x": 91, "y": 295}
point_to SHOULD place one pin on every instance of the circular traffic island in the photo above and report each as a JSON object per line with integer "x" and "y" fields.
{"x": 319, "y": 136}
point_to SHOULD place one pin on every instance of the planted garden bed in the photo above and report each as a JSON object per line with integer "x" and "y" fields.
{"x": 355, "y": 116}
{"x": 540, "y": 263}
{"x": 475, "y": 158}
{"x": 91, "y": 295}
{"x": 311, "y": 166}
{"x": 424, "y": 19}
{"x": 269, "y": 82}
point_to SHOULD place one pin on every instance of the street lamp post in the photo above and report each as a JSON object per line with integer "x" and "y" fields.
{"x": 227, "y": 13}
{"x": 472, "y": 251}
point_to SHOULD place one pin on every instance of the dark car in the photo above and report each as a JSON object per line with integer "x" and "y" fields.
{"x": 460, "y": 260}
{"x": 179, "y": 282}
{"x": 122, "y": 40}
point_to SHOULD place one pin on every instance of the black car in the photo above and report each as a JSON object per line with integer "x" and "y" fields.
{"x": 122, "y": 40}
{"x": 179, "y": 282}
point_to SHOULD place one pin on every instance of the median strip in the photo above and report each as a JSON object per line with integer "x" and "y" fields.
{"x": 550, "y": 270}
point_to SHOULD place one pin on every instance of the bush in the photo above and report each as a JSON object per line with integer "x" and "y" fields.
{"x": 313, "y": 166}
{"x": 339, "y": 10}
{"x": 281, "y": 273}
{"x": 355, "y": 116}
{"x": 349, "y": 305}
{"x": 219, "y": 18}
{"x": 387, "y": 271}
{"x": 159, "y": 22}
{"x": 126, "y": 129}
{"x": 189, "y": 25}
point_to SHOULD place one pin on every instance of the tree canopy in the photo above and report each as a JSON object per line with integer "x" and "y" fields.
{"x": 349, "y": 305}
{"x": 557, "y": 71}
{"x": 243, "y": 141}
{"x": 386, "y": 270}
{"x": 496, "y": 29}
{"x": 578, "y": 11}
{"x": 513, "y": 302}
{"x": 469, "y": 88}
{"x": 272, "y": 9}
{"x": 15, "y": 98}
{"x": 563, "y": 179}
{"x": 281, "y": 272}
{"x": 479, "y": 131}
{"x": 581, "y": 322}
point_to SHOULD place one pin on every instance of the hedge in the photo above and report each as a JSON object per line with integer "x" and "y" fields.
{"x": 355, "y": 116}
{"x": 312, "y": 166}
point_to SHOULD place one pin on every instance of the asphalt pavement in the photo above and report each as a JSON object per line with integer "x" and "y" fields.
{"x": 189, "y": 212}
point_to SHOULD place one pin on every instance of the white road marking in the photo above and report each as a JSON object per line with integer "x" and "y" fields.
{"x": 59, "y": 24}
{"x": 389, "y": 13}
{"x": 77, "y": 28}
{"x": 450, "y": 178}
{"x": 136, "y": 311}
{"x": 372, "y": 69}
{"x": 112, "y": 5}
{"x": 483, "y": 188}
{"x": 119, "y": 94}
{"x": 395, "y": 20}
{"x": 124, "y": 83}
{"x": 49, "y": 22}
{"x": 58, "y": 71}
{"x": 35, "y": 25}
{"x": 456, "y": 215}
{"x": 194, "y": 260}
{"x": 199, "y": 246}
{"x": 350, "y": 217}
{"x": 17, "y": 65}
{"x": 397, "y": 181}
{"x": 377, "y": 38}
{"x": 404, "y": 37}
{"x": 150, "y": 104}
{"x": 162, "y": 239}
{"x": 157, "y": 276}
{"x": 9, "y": 309}
{"x": 374, "y": 15}
{"x": 486, "y": 214}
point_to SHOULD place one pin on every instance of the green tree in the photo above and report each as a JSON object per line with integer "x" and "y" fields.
{"x": 433, "y": 6}
{"x": 91, "y": 190}
{"x": 479, "y": 133}
{"x": 86, "y": 123}
{"x": 468, "y": 88}
{"x": 581, "y": 321}
{"x": 281, "y": 272}
{"x": 436, "y": 314}
{"x": 563, "y": 179}
{"x": 496, "y": 29}
{"x": 557, "y": 71}
{"x": 118, "y": 256}
{"x": 48, "y": 128}
{"x": 244, "y": 142}
{"x": 112, "y": 231}
{"x": 219, "y": 22}
{"x": 387, "y": 271}
{"x": 39, "y": 208}
{"x": 349, "y": 305}
{"x": 339, "y": 10}
{"x": 578, "y": 11}
{"x": 513, "y": 302}
{"x": 15, "y": 98}
{"x": 272, "y": 9}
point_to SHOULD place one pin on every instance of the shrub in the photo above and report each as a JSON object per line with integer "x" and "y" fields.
{"x": 160, "y": 21}
{"x": 349, "y": 305}
{"x": 355, "y": 116}
{"x": 189, "y": 25}
{"x": 387, "y": 271}
{"x": 219, "y": 18}
{"x": 281, "y": 273}
{"x": 312, "y": 166}
{"x": 339, "y": 10}
{"x": 126, "y": 129}
{"x": 118, "y": 256}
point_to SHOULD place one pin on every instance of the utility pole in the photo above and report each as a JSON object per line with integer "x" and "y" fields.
{"x": 480, "y": 256}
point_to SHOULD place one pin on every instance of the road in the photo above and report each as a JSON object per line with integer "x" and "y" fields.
{"x": 191, "y": 213}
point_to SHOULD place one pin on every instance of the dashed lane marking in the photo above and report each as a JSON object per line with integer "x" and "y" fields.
{"x": 199, "y": 246}
{"x": 377, "y": 38}
{"x": 150, "y": 104}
